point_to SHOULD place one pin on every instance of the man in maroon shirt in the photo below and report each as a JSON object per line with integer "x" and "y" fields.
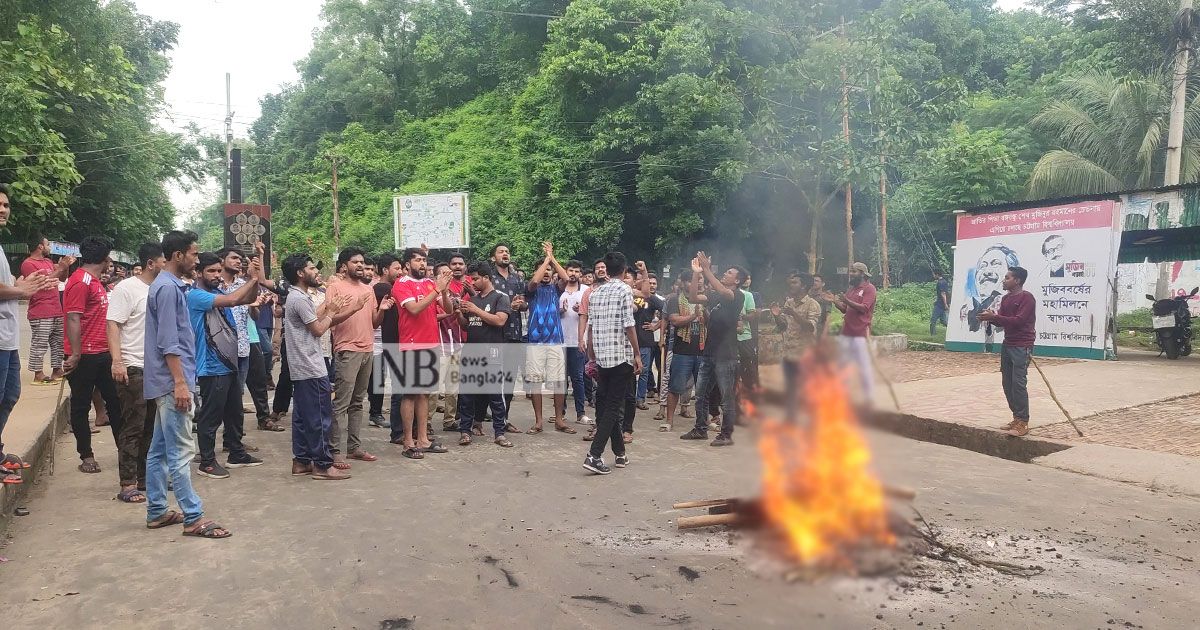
{"x": 1017, "y": 317}
{"x": 858, "y": 305}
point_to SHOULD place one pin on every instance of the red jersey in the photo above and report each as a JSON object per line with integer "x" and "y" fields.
{"x": 86, "y": 295}
{"x": 453, "y": 335}
{"x": 420, "y": 330}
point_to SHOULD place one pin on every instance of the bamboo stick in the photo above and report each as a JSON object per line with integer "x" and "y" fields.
{"x": 899, "y": 492}
{"x": 702, "y": 503}
{"x": 707, "y": 520}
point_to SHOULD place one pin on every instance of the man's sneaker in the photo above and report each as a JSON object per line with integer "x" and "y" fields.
{"x": 622, "y": 461}
{"x": 695, "y": 434}
{"x": 713, "y": 426}
{"x": 722, "y": 440}
{"x": 584, "y": 420}
{"x": 244, "y": 460}
{"x": 377, "y": 420}
{"x": 596, "y": 465}
{"x": 641, "y": 404}
{"x": 213, "y": 471}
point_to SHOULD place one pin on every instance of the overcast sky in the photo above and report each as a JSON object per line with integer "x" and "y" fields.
{"x": 257, "y": 41}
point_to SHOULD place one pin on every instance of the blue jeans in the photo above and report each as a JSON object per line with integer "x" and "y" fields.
{"x": 685, "y": 368}
{"x": 576, "y": 361}
{"x": 939, "y": 315}
{"x": 721, "y": 374}
{"x": 170, "y": 456}
{"x": 268, "y": 350}
{"x": 311, "y": 421}
{"x": 10, "y": 387}
{"x": 643, "y": 383}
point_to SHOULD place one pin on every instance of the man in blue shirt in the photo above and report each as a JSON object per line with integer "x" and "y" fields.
{"x": 217, "y": 365}
{"x": 545, "y": 365}
{"x": 170, "y": 381}
{"x": 941, "y": 302}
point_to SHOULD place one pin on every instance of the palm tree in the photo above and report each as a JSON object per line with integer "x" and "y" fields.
{"x": 1112, "y": 133}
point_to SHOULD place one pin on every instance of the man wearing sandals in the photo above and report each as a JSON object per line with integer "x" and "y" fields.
{"x": 354, "y": 341}
{"x": 170, "y": 382}
{"x": 126, "y": 344}
{"x": 10, "y": 341}
{"x": 484, "y": 315}
{"x": 45, "y": 311}
{"x": 545, "y": 366}
{"x": 415, "y": 295}
{"x": 304, "y": 323}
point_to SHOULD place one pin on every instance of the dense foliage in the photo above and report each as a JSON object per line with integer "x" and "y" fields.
{"x": 79, "y": 94}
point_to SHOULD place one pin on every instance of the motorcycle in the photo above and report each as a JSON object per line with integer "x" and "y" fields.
{"x": 1173, "y": 324}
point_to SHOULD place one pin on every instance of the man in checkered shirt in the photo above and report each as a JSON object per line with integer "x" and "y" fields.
{"x": 613, "y": 345}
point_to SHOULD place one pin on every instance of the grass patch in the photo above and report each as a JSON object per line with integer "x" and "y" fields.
{"x": 1131, "y": 339}
{"x": 903, "y": 310}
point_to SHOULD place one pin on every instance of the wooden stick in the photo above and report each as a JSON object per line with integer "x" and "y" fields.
{"x": 707, "y": 520}
{"x": 703, "y": 503}
{"x": 899, "y": 492}
{"x": 1053, "y": 396}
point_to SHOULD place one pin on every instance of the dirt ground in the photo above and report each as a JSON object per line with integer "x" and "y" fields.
{"x": 485, "y": 536}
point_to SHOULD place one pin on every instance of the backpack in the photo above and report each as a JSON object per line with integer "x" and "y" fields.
{"x": 222, "y": 338}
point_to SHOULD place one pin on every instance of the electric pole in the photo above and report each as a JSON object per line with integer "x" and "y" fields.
{"x": 334, "y": 161}
{"x": 228, "y": 139}
{"x": 883, "y": 211}
{"x": 849, "y": 196}
{"x": 1179, "y": 93}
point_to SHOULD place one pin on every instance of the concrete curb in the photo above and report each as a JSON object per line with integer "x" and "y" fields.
{"x": 38, "y": 458}
{"x": 991, "y": 442}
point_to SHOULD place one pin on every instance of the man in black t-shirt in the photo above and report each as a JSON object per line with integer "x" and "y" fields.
{"x": 646, "y": 315}
{"x": 688, "y": 331}
{"x": 484, "y": 316}
{"x": 718, "y": 367}
{"x": 389, "y": 270}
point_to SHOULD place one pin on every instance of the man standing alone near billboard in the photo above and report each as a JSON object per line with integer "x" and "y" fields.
{"x": 1017, "y": 316}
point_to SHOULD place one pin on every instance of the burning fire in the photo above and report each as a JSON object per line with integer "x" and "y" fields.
{"x": 817, "y": 488}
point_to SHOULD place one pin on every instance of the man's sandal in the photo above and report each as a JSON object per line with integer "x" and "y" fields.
{"x": 208, "y": 530}
{"x": 565, "y": 429}
{"x": 166, "y": 520}
{"x": 503, "y": 441}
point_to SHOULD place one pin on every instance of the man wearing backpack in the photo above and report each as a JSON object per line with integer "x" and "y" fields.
{"x": 217, "y": 364}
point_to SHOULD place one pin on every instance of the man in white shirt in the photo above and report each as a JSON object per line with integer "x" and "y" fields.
{"x": 568, "y": 309}
{"x": 126, "y": 343}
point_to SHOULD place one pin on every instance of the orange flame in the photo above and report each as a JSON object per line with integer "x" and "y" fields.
{"x": 817, "y": 487}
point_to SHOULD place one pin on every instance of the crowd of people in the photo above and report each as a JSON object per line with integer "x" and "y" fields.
{"x": 171, "y": 349}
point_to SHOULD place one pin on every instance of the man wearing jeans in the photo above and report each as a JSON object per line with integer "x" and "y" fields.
{"x": 88, "y": 364}
{"x": 304, "y": 323}
{"x": 718, "y": 368}
{"x": 126, "y": 344}
{"x": 170, "y": 381}
{"x": 1017, "y": 316}
{"x": 10, "y": 334}
{"x": 688, "y": 337}
{"x": 613, "y": 345}
{"x": 568, "y": 310}
{"x": 941, "y": 302}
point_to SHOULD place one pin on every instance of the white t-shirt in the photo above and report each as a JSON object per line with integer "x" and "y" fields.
{"x": 570, "y": 319}
{"x": 127, "y": 307}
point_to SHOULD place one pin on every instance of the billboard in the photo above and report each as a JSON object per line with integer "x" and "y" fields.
{"x": 1070, "y": 253}
{"x": 441, "y": 221}
{"x": 247, "y": 224}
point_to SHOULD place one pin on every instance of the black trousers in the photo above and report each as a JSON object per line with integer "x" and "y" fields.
{"x": 256, "y": 382}
{"x": 220, "y": 405}
{"x": 93, "y": 372}
{"x": 612, "y": 391}
{"x": 283, "y": 388}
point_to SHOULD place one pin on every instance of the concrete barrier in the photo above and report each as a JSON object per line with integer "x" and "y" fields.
{"x": 35, "y": 448}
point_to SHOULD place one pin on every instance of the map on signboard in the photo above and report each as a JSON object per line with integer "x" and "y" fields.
{"x": 440, "y": 221}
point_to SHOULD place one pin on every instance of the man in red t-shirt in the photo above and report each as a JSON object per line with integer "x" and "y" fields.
{"x": 88, "y": 364}
{"x": 415, "y": 296}
{"x": 45, "y": 310}
{"x": 858, "y": 305}
{"x": 452, "y": 337}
